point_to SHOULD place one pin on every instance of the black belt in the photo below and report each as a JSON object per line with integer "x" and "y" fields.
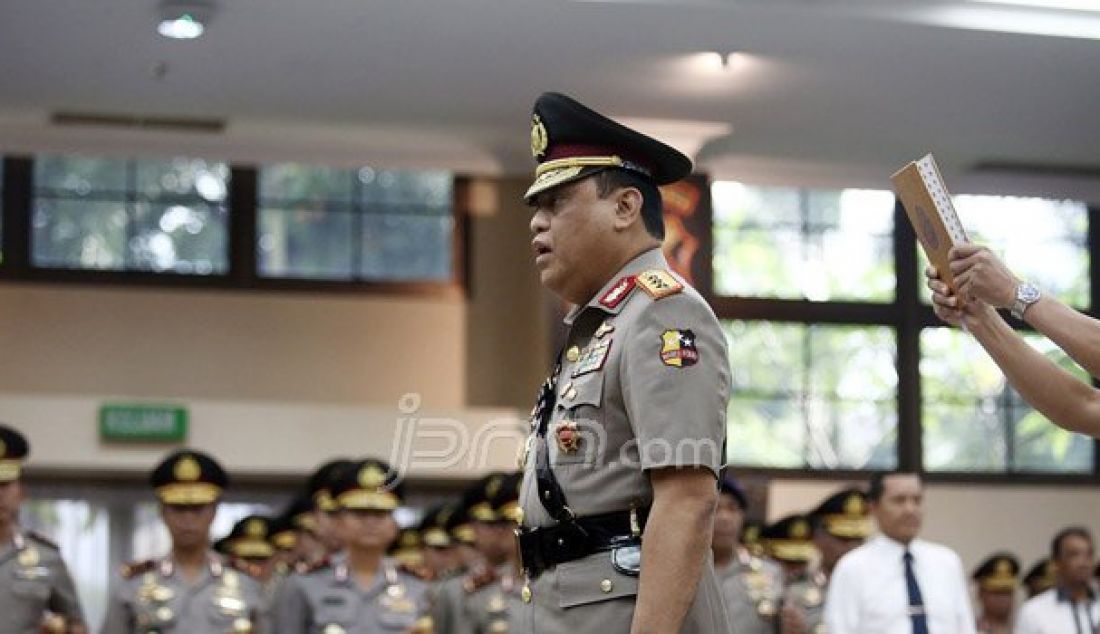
{"x": 543, "y": 548}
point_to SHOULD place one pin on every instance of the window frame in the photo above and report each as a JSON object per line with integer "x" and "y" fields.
{"x": 908, "y": 317}
{"x": 243, "y": 272}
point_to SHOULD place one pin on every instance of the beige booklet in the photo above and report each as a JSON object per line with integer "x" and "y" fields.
{"x": 931, "y": 212}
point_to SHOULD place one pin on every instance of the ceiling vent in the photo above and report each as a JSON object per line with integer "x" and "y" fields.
{"x": 138, "y": 122}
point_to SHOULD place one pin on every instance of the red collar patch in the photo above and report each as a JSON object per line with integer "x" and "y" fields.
{"x": 620, "y": 291}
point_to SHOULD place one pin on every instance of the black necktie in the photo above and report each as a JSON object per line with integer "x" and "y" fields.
{"x": 916, "y": 603}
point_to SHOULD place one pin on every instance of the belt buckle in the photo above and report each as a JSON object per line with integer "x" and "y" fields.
{"x": 626, "y": 555}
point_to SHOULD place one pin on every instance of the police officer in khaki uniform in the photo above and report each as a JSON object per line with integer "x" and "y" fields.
{"x": 484, "y": 600}
{"x": 997, "y": 579}
{"x": 362, "y": 592}
{"x": 192, "y": 589}
{"x": 322, "y": 538}
{"x": 629, "y": 431}
{"x": 839, "y": 524}
{"x": 752, "y": 587}
{"x": 36, "y": 591}
{"x": 441, "y": 555}
{"x": 250, "y": 550}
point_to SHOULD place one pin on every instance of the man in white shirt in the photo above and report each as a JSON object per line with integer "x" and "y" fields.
{"x": 1071, "y": 607}
{"x": 896, "y": 583}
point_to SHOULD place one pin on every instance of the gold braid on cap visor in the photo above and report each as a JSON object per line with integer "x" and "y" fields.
{"x": 185, "y": 493}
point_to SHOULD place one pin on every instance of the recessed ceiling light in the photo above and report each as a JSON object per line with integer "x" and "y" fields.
{"x": 1067, "y": 5}
{"x": 181, "y": 20}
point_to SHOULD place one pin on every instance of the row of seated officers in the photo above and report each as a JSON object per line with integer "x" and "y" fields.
{"x": 336, "y": 562}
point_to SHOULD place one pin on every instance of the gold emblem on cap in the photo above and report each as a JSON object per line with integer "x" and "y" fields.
{"x": 1003, "y": 567}
{"x": 187, "y": 469}
{"x": 854, "y": 505}
{"x": 493, "y": 487}
{"x": 371, "y": 477}
{"x": 255, "y": 528}
{"x": 540, "y": 140}
{"x": 800, "y": 530}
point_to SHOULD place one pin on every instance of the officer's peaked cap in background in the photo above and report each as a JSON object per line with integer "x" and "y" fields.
{"x": 13, "y": 451}
{"x": 188, "y": 477}
{"x": 368, "y": 484}
{"x": 571, "y": 141}
{"x": 728, "y": 485}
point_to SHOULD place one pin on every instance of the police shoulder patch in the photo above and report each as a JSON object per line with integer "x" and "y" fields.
{"x": 678, "y": 348}
{"x": 135, "y": 568}
{"x": 658, "y": 283}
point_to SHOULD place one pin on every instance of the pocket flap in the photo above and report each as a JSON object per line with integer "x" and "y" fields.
{"x": 585, "y": 390}
{"x": 591, "y": 580}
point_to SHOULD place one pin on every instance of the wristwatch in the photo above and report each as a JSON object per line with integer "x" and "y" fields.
{"x": 1026, "y": 295}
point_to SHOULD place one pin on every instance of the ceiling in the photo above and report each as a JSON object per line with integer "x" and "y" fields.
{"x": 819, "y": 91}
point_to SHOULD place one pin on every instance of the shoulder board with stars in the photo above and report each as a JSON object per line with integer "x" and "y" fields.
{"x": 420, "y": 572}
{"x": 135, "y": 568}
{"x": 304, "y": 568}
{"x": 658, "y": 283}
{"x": 479, "y": 578}
{"x": 42, "y": 539}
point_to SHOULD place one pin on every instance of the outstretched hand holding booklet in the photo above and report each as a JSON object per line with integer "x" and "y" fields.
{"x": 931, "y": 212}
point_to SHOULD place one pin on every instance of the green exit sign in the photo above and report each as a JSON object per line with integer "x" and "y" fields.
{"x": 143, "y": 423}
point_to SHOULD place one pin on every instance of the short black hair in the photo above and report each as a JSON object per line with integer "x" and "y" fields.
{"x": 609, "y": 180}
{"x": 878, "y": 478}
{"x": 1065, "y": 533}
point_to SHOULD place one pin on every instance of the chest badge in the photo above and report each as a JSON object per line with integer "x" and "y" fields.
{"x": 592, "y": 358}
{"x": 28, "y": 557}
{"x": 568, "y": 436}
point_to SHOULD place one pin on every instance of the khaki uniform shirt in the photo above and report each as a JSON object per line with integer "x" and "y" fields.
{"x": 752, "y": 588}
{"x": 154, "y": 597}
{"x": 34, "y": 579}
{"x": 480, "y": 602}
{"x": 644, "y": 384}
{"x": 808, "y": 596}
{"x": 328, "y": 600}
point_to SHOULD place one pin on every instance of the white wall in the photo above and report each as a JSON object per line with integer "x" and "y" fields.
{"x": 265, "y": 438}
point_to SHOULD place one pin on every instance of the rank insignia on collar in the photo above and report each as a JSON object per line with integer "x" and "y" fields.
{"x": 678, "y": 348}
{"x": 658, "y": 283}
{"x": 620, "y": 291}
{"x": 605, "y": 328}
{"x": 568, "y": 436}
{"x": 592, "y": 358}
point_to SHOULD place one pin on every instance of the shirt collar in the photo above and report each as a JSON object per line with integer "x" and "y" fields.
{"x": 1062, "y": 596}
{"x": 652, "y": 259}
{"x": 894, "y": 547}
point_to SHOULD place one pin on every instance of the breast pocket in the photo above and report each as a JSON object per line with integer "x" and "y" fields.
{"x": 576, "y": 433}
{"x": 334, "y": 609}
{"x": 35, "y": 591}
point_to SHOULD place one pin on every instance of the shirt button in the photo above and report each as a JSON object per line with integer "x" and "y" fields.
{"x": 572, "y": 354}
{"x": 606, "y": 586}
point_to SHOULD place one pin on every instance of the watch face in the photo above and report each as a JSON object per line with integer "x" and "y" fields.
{"x": 1028, "y": 293}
